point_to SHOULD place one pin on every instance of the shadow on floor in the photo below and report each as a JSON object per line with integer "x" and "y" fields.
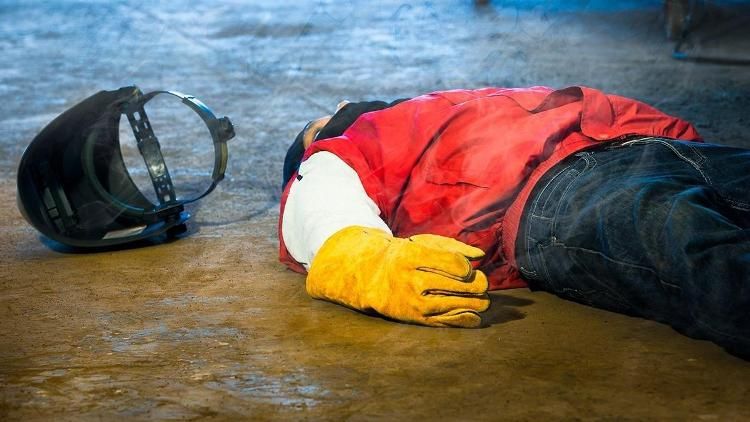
{"x": 503, "y": 309}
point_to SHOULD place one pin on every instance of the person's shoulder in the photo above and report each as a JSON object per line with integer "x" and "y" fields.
{"x": 459, "y": 96}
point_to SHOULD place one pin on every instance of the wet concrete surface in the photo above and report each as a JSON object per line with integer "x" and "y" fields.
{"x": 211, "y": 326}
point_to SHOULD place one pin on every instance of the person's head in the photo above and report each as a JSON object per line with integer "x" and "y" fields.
{"x": 301, "y": 143}
{"x": 304, "y": 139}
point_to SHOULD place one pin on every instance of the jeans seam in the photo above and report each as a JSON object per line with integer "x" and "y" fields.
{"x": 697, "y": 152}
{"x": 697, "y": 165}
{"x": 544, "y": 270}
{"x": 743, "y": 206}
{"x": 628, "y": 264}
{"x": 586, "y": 296}
{"x": 664, "y": 143}
{"x": 530, "y": 272}
{"x": 540, "y": 194}
{"x": 591, "y": 163}
{"x": 569, "y": 172}
{"x": 532, "y": 215}
{"x": 708, "y": 327}
{"x": 686, "y": 159}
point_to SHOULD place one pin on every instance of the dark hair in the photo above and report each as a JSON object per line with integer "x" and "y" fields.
{"x": 293, "y": 157}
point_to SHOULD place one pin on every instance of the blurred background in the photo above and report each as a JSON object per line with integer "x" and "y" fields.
{"x": 273, "y": 66}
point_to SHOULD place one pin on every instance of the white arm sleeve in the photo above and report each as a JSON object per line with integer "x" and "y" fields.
{"x": 327, "y": 198}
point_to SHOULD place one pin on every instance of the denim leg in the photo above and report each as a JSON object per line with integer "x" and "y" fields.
{"x": 652, "y": 228}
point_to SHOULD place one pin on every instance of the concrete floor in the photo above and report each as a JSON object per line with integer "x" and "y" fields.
{"x": 211, "y": 326}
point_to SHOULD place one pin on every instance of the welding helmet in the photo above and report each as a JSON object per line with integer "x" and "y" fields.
{"x": 75, "y": 188}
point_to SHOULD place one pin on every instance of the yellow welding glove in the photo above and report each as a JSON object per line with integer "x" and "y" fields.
{"x": 425, "y": 279}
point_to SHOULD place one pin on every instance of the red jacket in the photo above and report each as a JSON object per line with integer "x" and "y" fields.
{"x": 462, "y": 163}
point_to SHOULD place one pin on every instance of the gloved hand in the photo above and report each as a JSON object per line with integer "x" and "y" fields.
{"x": 425, "y": 279}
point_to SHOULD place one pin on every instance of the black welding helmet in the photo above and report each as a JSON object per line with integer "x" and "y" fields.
{"x": 75, "y": 188}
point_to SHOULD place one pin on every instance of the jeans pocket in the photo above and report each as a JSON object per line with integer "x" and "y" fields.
{"x": 548, "y": 199}
{"x": 723, "y": 169}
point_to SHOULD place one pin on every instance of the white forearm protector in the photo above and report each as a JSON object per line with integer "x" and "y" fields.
{"x": 326, "y": 198}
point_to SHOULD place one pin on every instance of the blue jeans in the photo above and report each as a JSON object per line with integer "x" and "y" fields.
{"x": 651, "y": 227}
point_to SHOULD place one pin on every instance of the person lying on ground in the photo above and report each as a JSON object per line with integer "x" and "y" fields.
{"x": 414, "y": 209}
